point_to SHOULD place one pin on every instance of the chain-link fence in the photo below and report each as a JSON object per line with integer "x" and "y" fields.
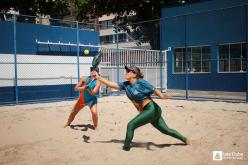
{"x": 42, "y": 59}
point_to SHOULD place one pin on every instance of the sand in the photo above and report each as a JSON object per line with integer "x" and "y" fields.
{"x": 34, "y": 134}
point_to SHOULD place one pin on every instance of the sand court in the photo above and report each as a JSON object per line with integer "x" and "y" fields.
{"x": 34, "y": 134}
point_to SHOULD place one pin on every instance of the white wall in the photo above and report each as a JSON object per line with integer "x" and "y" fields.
{"x": 42, "y": 74}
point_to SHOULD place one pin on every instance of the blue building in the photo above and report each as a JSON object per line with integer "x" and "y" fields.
{"x": 211, "y": 36}
{"x": 41, "y": 71}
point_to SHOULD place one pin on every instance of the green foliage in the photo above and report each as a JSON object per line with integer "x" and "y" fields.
{"x": 53, "y": 8}
{"x": 126, "y": 19}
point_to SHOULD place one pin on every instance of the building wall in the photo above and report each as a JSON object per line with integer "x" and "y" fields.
{"x": 129, "y": 43}
{"x": 210, "y": 23}
{"x": 27, "y": 34}
{"x": 43, "y": 71}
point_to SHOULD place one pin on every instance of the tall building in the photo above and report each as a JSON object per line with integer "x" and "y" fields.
{"x": 108, "y": 35}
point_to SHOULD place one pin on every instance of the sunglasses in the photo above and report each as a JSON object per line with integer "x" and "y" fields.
{"x": 127, "y": 71}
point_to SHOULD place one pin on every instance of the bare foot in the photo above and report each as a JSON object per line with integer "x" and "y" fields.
{"x": 188, "y": 141}
{"x": 66, "y": 125}
{"x": 95, "y": 128}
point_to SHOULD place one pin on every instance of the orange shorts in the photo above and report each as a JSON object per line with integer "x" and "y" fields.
{"x": 83, "y": 102}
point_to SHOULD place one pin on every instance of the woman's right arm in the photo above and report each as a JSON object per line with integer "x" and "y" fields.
{"x": 79, "y": 85}
{"x": 106, "y": 82}
{"x": 161, "y": 95}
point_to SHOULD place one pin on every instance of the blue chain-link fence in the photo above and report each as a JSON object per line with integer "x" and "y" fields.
{"x": 41, "y": 59}
{"x": 32, "y": 70}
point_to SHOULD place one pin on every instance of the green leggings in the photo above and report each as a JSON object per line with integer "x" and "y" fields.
{"x": 151, "y": 113}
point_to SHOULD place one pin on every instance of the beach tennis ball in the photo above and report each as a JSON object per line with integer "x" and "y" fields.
{"x": 86, "y": 52}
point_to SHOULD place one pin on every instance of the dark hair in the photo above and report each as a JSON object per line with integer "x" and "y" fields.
{"x": 135, "y": 70}
{"x": 140, "y": 75}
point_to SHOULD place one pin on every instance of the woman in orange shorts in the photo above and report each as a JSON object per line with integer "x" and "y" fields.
{"x": 89, "y": 89}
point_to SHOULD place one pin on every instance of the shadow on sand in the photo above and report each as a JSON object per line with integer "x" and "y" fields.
{"x": 146, "y": 145}
{"x": 82, "y": 127}
{"x": 86, "y": 138}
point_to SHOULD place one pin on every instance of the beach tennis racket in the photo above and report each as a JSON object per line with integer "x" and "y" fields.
{"x": 95, "y": 62}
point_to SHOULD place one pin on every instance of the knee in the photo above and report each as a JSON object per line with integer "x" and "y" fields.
{"x": 130, "y": 126}
{"x": 76, "y": 109}
{"x": 73, "y": 113}
{"x": 94, "y": 113}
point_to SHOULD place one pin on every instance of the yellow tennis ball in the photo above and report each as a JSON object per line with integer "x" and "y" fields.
{"x": 86, "y": 52}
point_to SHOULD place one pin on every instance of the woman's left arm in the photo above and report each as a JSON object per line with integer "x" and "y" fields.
{"x": 161, "y": 95}
{"x": 97, "y": 88}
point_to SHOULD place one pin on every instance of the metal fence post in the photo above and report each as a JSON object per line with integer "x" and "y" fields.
{"x": 15, "y": 61}
{"x": 246, "y": 71}
{"x": 246, "y": 44}
{"x": 117, "y": 55}
{"x": 161, "y": 59}
{"x": 186, "y": 76}
{"x": 78, "y": 60}
{"x": 161, "y": 70}
{"x": 71, "y": 86}
{"x": 186, "y": 59}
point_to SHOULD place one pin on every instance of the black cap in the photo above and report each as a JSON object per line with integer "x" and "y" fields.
{"x": 94, "y": 69}
{"x": 133, "y": 68}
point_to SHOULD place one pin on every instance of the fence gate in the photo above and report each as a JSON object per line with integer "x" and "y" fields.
{"x": 149, "y": 61}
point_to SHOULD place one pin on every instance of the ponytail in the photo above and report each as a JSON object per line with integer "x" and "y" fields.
{"x": 140, "y": 75}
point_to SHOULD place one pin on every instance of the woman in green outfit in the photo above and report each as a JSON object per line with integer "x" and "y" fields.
{"x": 139, "y": 92}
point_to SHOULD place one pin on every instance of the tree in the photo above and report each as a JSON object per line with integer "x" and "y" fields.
{"x": 128, "y": 13}
{"x": 54, "y": 8}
